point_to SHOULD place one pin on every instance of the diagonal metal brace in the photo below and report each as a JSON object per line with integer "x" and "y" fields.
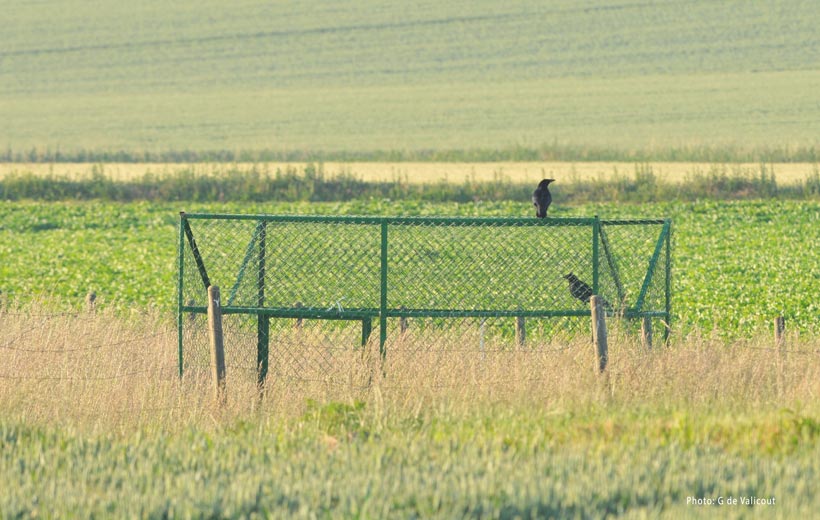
{"x": 195, "y": 250}
{"x": 613, "y": 267}
{"x": 245, "y": 261}
{"x": 653, "y": 262}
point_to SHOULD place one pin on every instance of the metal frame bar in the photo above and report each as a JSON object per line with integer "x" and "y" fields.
{"x": 367, "y": 329}
{"x": 361, "y": 314}
{"x": 200, "y": 265}
{"x": 596, "y": 227}
{"x": 248, "y": 253}
{"x": 181, "y": 274}
{"x": 417, "y": 221}
{"x": 668, "y": 287}
{"x": 462, "y": 221}
{"x": 613, "y": 268}
{"x": 383, "y": 292}
{"x": 262, "y": 321}
{"x": 653, "y": 262}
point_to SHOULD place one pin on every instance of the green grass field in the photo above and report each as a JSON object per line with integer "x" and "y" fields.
{"x": 606, "y": 78}
{"x": 606, "y": 461}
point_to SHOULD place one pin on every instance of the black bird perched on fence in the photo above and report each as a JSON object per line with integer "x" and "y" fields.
{"x": 580, "y": 290}
{"x": 542, "y": 198}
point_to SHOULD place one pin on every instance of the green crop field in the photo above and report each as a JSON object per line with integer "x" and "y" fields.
{"x": 737, "y": 264}
{"x": 604, "y": 77}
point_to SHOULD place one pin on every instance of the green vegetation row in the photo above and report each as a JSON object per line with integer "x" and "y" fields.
{"x": 736, "y": 264}
{"x": 545, "y": 152}
{"x": 260, "y": 184}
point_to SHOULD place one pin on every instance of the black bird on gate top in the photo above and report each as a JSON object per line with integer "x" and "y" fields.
{"x": 580, "y": 290}
{"x": 542, "y": 198}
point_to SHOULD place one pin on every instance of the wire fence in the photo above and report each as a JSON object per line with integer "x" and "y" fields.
{"x": 295, "y": 289}
{"x": 92, "y": 366}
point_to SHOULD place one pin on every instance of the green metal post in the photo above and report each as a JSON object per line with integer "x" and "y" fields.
{"x": 262, "y": 320}
{"x": 367, "y": 329}
{"x": 180, "y": 274}
{"x": 668, "y": 327}
{"x": 262, "y": 348}
{"x": 383, "y": 303}
{"x": 596, "y": 227}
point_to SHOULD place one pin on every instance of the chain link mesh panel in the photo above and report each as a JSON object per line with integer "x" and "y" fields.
{"x": 453, "y": 266}
{"x": 311, "y": 292}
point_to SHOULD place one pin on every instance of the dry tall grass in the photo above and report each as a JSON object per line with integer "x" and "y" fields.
{"x": 426, "y": 172}
{"x": 119, "y": 373}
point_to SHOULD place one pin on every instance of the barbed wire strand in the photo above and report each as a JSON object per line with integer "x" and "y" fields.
{"x": 135, "y": 339}
{"x": 82, "y": 316}
{"x": 89, "y": 378}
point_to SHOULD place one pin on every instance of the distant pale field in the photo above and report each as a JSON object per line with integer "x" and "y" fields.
{"x": 318, "y": 75}
{"x": 430, "y": 172}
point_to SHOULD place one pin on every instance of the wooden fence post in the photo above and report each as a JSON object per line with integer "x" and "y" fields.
{"x": 646, "y": 332}
{"x": 217, "y": 344}
{"x": 403, "y": 323}
{"x": 91, "y": 302}
{"x": 599, "y": 332}
{"x": 481, "y": 338}
{"x": 779, "y": 331}
{"x": 779, "y": 343}
{"x": 520, "y": 330}
{"x": 191, "y": 315}
{"x": 298, "y": 320}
